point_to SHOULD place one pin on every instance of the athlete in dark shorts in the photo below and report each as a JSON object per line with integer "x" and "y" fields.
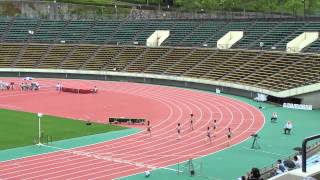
{"x": 179, "y": 131}
{"x": 214, "y": 127}
{"x": 149, "y": 130}
{"x": 191, "y": 121}
{"x": 209, "y": 135}
{"x": 229, "y": 135}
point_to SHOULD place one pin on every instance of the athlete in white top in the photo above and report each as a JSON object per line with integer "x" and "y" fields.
{"x": 209, "y": 135}
{"x": 214, "y": 127}
{"x": 287, "y": 127}
{"x": 274, "y": 117}
{"x": 58, "y": 87}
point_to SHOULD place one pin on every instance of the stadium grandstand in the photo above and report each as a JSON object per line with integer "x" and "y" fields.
{"x": 169, "y": 67}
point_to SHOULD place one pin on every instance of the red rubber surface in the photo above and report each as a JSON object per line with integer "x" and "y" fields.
{"x": 163, "y": 106}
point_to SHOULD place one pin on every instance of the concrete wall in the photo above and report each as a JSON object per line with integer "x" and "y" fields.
{"x": 229, "y": 39}
{"x": 157, "y": 38}
{"x": 60, "y": 11}
{"x": 302, "y": 41}
{"x": 311, "y": 98}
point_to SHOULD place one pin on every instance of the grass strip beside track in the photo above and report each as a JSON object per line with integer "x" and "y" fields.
{"x": 19, "y": 128}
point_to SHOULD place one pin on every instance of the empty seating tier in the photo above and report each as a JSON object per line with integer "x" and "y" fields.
{"x": 78, "y": 57}
{"x": 48, "y": 31}
{"x": 275, "y": 71}
{"x": 31, "y": 55}
{"x": 145, "y": 60}
{"x": 103, "y": 57}
{"x": 8, "y": 54}
{"x": 20, "y": 30}
{"x": 54, "y": 56}
{"x": 274, "y": 34}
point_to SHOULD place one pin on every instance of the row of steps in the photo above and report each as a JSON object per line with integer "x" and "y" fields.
{"x": 183, "y": 32}
{"x": 255, "y": 68}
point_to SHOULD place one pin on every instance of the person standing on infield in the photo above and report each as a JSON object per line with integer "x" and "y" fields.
{"x": 274, "y": 117}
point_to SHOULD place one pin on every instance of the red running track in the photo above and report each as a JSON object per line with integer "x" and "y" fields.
{"x": 163, "y": 106}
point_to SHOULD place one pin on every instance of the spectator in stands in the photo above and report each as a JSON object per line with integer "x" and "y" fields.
{"x": 289, "y": 164}
{"x": 297, "y": 161}
{"x": 287, "y": 127}
{"x": 242, "y": 178}
{"x": 280, "y": 168}
{"x": 255, "y": 174}
{"x": 274, "y": 117}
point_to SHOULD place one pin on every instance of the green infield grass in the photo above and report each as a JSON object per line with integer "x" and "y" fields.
{"x": 21, "y": 128}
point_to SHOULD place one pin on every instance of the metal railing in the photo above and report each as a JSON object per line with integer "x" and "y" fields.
{"x": 304, "y": 150}
{"x": 266, "y": 172}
